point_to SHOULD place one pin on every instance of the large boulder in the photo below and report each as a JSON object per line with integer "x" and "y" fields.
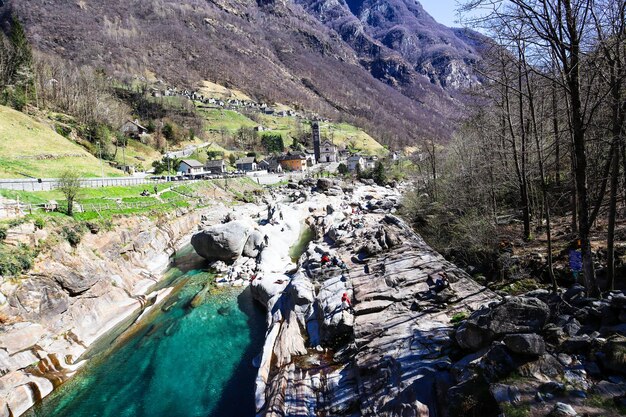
{"x": 514, "y": 315}
{"x": 562, "y": 410}
{"x": 222, "y": 242}
{"x": 614, "y": 354}
{"x": 254, "y": 244}
{"x": 472, "y": 397}
{"x": 323, "y": 184}
{"x": 525, "y": 344}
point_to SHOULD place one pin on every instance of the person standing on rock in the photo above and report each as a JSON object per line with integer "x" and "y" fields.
{"x": 576, "y": 260}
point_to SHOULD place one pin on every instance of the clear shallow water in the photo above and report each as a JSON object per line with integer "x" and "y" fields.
{"x": 306, "y": 236}
{"x": 183, "y": 362}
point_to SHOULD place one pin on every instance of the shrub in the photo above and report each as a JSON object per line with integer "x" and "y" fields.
{"x": 379, "y": 175}
{"x": 74, "y": 234}
{"x": 40, "y": 223}
{"x": 458, "y": 317}
{"x": 17, "y": 222}
{"x": 3, "y": 233}
{"x": 63, "y": 130}
{"x": 14, "y": 261}
{"x": 273, "y": 142}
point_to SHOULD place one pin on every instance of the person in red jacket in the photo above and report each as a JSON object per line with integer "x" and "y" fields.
{"x": 345, "y": 302}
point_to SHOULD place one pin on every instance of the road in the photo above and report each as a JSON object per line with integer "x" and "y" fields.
{"x": 47, "y": 184}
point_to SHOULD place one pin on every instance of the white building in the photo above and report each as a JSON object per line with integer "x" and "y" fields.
{"x": 370, "y": 162}
{"x": 190, "y": 167}
{"x": 328, "y": 152}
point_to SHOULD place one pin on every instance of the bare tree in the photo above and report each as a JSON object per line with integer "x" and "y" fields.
{"x": 556, "y": 34}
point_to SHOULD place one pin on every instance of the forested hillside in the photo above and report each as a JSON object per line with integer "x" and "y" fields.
{"x": 540, "y": 165}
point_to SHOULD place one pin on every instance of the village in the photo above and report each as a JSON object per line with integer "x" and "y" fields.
{"x": 324, "y": 153}
{"x": 314, "y": 152}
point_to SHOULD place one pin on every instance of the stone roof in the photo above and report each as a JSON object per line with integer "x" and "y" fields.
{"x": 192, "y": 163}
{"x": 212, "y": 163}
{"x": 292, "y": 156}
{"x": 246, "y": 160}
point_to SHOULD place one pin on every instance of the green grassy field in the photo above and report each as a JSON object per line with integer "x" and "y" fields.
{"x": 29, "y": 148}
{"x": 229, "y": 120}
{"x": 136, "y": 153}
{"x": 105, "y": 202}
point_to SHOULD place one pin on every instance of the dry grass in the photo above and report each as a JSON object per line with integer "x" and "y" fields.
{"x": 30, "y": 148}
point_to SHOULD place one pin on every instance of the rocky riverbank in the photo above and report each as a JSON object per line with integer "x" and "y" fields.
{"x": 74, "y": 295}
{"x": 401, "y": 348}
{"x": 383, "y": 356}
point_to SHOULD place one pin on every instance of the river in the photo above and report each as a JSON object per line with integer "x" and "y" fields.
{"x": 178, "y": 361}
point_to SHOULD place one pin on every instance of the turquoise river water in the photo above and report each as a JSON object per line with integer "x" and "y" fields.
{"x": 178, "y": 361}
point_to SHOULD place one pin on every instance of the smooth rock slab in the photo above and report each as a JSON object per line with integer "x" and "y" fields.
{"x": 21, "y": 336}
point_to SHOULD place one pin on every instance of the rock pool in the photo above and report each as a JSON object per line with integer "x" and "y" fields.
{"x": 178, "y": 361}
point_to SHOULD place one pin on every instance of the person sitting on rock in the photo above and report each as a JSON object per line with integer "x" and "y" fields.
{"x": 345, "y": 302}
{"x": 339, "y": 262}
{"x": 325, "y": 259}
{"x": 442, "y": 282}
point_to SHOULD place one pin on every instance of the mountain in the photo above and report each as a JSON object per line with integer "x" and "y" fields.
{"x": 383, "y": 65}
{"x": 378, "y": 28}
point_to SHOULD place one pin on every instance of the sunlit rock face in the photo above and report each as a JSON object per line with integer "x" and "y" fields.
{"x": 398, "y": 39}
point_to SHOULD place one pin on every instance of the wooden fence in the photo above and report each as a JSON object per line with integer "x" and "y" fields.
{"x": 13, "y": 210}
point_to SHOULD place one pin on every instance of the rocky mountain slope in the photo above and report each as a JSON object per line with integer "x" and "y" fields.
{"x": 385, "y": 66}
{"x": 398, "y": 39}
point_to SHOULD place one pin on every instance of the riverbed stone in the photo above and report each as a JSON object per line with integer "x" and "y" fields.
{"x": 514, "y": 315}
{"x": 21, "y": 336}
{"x": 525, "y": 344}
{"x": 614, "y": 354}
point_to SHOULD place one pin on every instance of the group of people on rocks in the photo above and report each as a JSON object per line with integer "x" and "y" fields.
{"x": 327, "y": 260}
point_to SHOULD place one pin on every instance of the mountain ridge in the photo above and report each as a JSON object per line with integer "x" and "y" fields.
{"x": 273, "y": 50}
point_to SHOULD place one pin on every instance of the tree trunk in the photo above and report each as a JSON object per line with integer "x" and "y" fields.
{"x": 610, "y": 236}
{"x": 557, "y": 142}
{"x": 572, "y": 73}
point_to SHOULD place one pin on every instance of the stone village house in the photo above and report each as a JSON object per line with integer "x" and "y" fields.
{"x": 190, "y": 167}
{"x": 293, "y": 161}
{"x": 133, "y": 129}
{"x": 270, "y": 164}
{"x": 246, "y": 164}
{"x": 354, "y": 161}
{"x": 215, "y": 166}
